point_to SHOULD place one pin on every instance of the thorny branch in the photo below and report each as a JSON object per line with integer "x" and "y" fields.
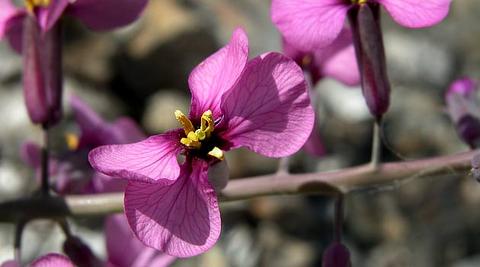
{"x": 325, "y": 183}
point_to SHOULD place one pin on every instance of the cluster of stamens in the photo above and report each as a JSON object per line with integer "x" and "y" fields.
{"x": 31, "y": 4}
{"x": 359, "y": 2}
{"x": 194, "y": 138}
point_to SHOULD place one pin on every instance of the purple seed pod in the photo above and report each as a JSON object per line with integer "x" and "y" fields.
{"x": 42, "y": 72}
{"x": 463, "y": 109}
{"x": 368, "y": 41}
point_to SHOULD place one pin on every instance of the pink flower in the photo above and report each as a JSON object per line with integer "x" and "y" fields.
{"x": 311, "y": 24}
{"x": 49, "y": 260}
{"x": 336, "y": 61}
{"x": 71, "y": 172}
{"x": 36, "y": 32}
{"x": 261, "y": 104}
{"x": 97, "y": 15}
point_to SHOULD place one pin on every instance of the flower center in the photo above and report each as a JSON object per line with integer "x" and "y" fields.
{"x": 31, "y": 4}
{"x": 195, "y": 137}
{"x": 359, "y": 2}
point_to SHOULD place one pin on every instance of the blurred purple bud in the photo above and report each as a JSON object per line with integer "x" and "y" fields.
{"x": 336, "y": 255}
{"x": 80, "y": 253}
{"x": 464, "y": 111}
{"x": 465, "y": 87}
{"x": 368, "y": 41}
{"x": 42, "y": 72}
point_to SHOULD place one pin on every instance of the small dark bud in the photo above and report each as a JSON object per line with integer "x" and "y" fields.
{"x": 336, "y": 255}
{"x": 80, "y": 253}
{"x": 463, "y": 109}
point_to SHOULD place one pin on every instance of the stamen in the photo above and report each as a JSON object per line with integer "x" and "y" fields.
{"x": 194, "y": 137}
{"x": 217, "y": 153}
{"x": 359, "y": 2}
{"x": 31, "y": 4}
{"x": 72, "y": 141}
{"x": 184, "y": 121}
{"x": 207, "y": 124}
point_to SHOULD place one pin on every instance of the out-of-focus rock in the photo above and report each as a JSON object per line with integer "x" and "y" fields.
{"x": 162, "y": 21}
{"x": 473, "y": 261}
{"x": 417, "y": 60}
{"x": 390, "y": 255}
{"x": 158, "y": 116}
{"x": 417, "y": 126}
{"x": 11, "y": 62}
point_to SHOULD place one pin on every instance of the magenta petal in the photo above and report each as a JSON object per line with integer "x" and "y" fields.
{"x": 343, "y": 67}
{"x": 181, "y": 219}
{"x": 95, "y": 131}
{"x": 15, "y": 32}
{"x": 126, "y": 130}
{"x": 415, "y": 13}
{"x": 150, "y": 160}
{"x": 102, "y": 183}
{"x": 217, "y": 74}
{"x": 309, "y": 24}
{"x": 49, "y": 16}
{"x": 7, "y": 12}
{"x": 10, "y": 263}
{"x": 269, "y": 109}
{"x": 314, "y": 145}
{"x": 107, "y": 14}
{"x": 338, "y": 60}
{"x": 30, "y": 154}
{"x": 465, "y": 87}
{"x": 52, "y": 260}
{"x": 125, "y": 250}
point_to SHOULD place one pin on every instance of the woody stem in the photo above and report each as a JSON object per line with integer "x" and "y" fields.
{"x": 344, "y": 181}
{"x": 45, "y": 186}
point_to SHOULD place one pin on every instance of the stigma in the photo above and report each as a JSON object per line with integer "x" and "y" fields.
{"x": 194, "y": 137}
{"x": 31, "y": 4}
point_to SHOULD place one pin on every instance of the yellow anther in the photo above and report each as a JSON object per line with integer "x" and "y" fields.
{"x": 216, "y": 153}
{"x": 207, "y": 124}
{"x": 194, "y": 137}
{"x": 31, "y": 4}
{"x": 360, "y": 2}
{"x": 184, "y": 121}
{"x": 72, "y": 141}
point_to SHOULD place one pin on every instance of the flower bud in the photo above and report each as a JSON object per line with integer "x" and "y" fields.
{"x": 336, "y": 255}
{"x": 464, "y": 111}
{"x": 368, "y": 42}
{"x": 80, "y": 253}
